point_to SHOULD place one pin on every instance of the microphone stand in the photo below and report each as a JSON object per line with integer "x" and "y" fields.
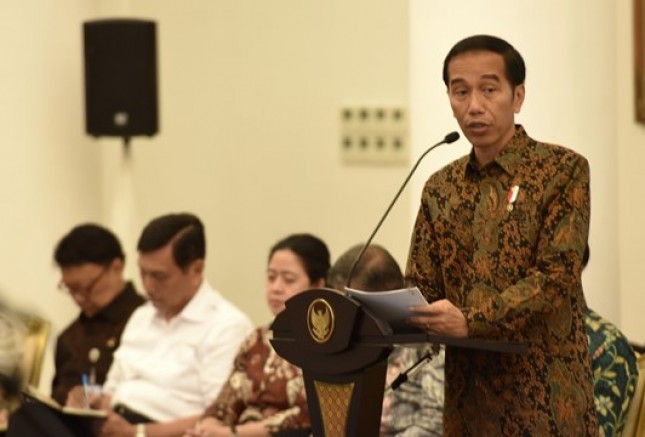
{"x": 450, "y": 138}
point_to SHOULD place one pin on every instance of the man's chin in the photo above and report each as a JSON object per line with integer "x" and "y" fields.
{"x": 478, "y": 138}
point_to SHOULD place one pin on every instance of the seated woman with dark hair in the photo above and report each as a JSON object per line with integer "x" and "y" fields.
{"x": 265, "y": 394}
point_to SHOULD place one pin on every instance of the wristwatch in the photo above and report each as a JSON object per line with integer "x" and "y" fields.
{"x": 141, "y": 430}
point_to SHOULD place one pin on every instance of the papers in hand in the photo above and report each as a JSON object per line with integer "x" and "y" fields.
{"x": 392, "y": 305}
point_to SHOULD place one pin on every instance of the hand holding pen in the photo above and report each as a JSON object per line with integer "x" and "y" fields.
{"x": 85, "y": 395}
{"x": 92, "y": 392}
{"x": 86, "y": 391}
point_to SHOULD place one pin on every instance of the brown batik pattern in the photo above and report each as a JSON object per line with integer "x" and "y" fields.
{"x": 514, "y": 270}
{"x": 263, "y": 387}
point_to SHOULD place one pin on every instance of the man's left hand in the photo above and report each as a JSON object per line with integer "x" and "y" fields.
{"x": 440, "y": 318}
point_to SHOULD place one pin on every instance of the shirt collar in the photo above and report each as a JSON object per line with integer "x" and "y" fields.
{"x": 508, "y": 159}
{"x": 114, "y": 309}
{"x": 200, "y": 307}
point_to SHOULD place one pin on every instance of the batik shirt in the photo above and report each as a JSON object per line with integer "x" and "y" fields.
{"x": 504, "y": 243}
{"x": 615, "y": 373}
{"x": 263, "y": 387}
{"x": 102, "y": 331}
{"x": 415, "y": 408}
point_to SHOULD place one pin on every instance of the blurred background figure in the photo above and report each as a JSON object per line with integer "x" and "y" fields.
{"x": 12, "y": 332}
{"x": 178, "y": 348}
{"x": 91, "y": 262}
{"x": 415, "y": 408}
{"x": 614, "y": 368}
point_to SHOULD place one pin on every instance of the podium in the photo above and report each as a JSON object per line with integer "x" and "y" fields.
{"x": 342, "y": 350}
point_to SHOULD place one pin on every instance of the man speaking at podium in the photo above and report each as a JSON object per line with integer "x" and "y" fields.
{"x": 497, "y": 250}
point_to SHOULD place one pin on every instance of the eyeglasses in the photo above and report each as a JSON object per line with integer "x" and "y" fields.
{"x": 85, "y": 291}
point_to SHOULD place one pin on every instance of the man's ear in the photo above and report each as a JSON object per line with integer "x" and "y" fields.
{"x": 117, "y": 265}
{"x": 518, "y": 98}
{"x": 197, "y": 266}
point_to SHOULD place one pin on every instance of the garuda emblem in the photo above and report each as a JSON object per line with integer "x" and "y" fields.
{"x": 320, "y": 320}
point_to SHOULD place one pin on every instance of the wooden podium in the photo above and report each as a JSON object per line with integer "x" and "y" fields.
{"x": 342, "y": 350}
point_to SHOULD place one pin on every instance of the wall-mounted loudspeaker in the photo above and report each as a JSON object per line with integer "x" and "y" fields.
{"x": 120, "y": 77}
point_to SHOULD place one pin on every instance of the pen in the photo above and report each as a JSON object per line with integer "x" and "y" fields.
{"x": 86, "y": 389}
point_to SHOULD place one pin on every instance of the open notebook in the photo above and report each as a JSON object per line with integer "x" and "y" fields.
{"x": 40, "y": 415}
{"x": 31, "y": 394}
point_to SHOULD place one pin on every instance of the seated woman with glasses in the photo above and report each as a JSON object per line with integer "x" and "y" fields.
{"x": 265, "y": 394}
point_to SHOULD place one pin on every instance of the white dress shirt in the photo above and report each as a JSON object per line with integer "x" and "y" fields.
{"x": 167, "y": 370}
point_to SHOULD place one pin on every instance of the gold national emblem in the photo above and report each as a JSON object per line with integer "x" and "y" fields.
{"x": 320, "y": 320}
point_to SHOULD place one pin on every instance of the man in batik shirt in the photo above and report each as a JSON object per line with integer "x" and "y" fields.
{"x": 497, "y": 250}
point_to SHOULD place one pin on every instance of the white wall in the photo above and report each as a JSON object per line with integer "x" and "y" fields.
{"x": 630, "y": 191}
{"x": 250, "y": 95}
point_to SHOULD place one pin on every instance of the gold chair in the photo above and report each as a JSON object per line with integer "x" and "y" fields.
{"x": 635, "y": 422}
{"x": 35, "y": 342}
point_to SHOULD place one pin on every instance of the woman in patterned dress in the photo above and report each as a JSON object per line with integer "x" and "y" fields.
{"x": 265, "y": 395}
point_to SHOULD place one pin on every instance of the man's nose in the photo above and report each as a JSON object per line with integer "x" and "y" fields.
{"x": 475, "y": 103}
{"x": 148, "y": 284}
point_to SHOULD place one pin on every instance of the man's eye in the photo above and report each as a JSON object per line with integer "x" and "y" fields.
{"x": 159, "y": 277}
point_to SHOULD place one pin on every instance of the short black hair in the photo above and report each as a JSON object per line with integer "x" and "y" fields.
{"x": 311, "y": 250}
{"x": 88, "y": 243}
{"x": 184, "y": 230}
{"x": 514, "y": 63}
{"x": 376, "y": 271}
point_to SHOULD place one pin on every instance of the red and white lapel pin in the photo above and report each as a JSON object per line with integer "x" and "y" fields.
{"x": 511, "y": 197}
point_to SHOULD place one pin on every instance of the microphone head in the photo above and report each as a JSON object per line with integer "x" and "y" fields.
{"x": 451, "y": 137}
{"x": 94, "y": 355}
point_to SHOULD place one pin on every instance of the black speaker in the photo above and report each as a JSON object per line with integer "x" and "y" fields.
{"x": 120, "y": 77}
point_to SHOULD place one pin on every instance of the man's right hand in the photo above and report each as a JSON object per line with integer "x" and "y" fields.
{"x": 77, "y": 397}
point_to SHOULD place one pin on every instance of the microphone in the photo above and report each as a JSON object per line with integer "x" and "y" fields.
{"x": 404, "y": 376}
{"x": 450, "y": 138}
{"x": 410, "y": 371}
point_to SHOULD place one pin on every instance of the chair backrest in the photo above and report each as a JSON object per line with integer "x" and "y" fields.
{"x": 35, "y": 342}
{"x": 635, "y": 423}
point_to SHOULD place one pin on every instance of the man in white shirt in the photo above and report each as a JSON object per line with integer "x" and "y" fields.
{"x": 177, "y": 349}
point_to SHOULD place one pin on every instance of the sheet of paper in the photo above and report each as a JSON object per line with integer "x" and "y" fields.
{"x": 392, "y": 305}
